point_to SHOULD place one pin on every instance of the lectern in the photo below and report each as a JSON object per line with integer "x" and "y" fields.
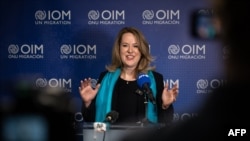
{"x": 111, "y": 133}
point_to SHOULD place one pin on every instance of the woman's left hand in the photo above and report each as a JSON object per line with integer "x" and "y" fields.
{"x": 169, "y": 95}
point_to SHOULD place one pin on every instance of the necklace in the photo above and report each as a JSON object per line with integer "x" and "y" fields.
{"x": 126, "y": 77}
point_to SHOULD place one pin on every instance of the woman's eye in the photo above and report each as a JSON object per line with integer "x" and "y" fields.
{"x": 124, "y": 45}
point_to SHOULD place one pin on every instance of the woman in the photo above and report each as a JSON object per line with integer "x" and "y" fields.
{"x": 117, "y": 88}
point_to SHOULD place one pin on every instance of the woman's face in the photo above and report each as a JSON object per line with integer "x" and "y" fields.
{"x": 129, "y": 51}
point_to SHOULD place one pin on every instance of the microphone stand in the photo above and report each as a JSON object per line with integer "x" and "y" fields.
{"x": 145, "y": 119}
{"x": 103, "y": 138}
{"x": 107, "y": 127}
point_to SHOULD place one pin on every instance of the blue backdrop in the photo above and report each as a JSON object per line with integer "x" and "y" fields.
{"x": 57, "y": 43}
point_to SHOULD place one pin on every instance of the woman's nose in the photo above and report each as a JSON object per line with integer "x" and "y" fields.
{"x": 130, "y": 49}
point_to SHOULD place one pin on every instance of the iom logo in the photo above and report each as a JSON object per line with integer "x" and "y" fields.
{"x": 93, "y": 15}
{"x": 206, "y": 86}
{"x": 106, "y": 17}
{"x": 40, "y": 15}
{"x": 13, "y": 49}
{"x": 202, "y": 84}
{"x": 148, "y": 14}
{"x": 65, "y": 84}
{"x": 78, "y": 51}
{"x": 173, "y": 49}
{"x": 187, "y": 52}
{"x": 66, "y": 49}
{"x": 25, "y": 51}
{"x": 160, "y": 17}
{"x": 53, "y": 17}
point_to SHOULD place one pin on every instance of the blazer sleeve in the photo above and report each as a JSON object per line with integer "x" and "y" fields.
{"x": 164, "y": 116}
{"x": 88, "y": 113}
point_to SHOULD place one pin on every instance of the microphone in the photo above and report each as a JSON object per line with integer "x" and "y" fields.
{"x": 144, "y": 83}
{"x": 112, "y": 117}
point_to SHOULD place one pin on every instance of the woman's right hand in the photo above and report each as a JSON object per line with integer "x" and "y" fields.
{"x": 86, "y": 91}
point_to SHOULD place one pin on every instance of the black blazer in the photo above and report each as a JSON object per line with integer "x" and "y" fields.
{"x": 164, "y": 116}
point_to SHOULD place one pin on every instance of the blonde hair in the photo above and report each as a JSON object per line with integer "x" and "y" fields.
{"x": 146, "y": 58}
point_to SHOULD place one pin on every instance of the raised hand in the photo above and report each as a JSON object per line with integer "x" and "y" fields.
{"x": 86, "y": 91}
{"x": 169, "y": 96}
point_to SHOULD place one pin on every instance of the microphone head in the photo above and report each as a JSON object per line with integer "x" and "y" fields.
{"x": 143, "y": 79}
{"x": 112, "y": 116}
